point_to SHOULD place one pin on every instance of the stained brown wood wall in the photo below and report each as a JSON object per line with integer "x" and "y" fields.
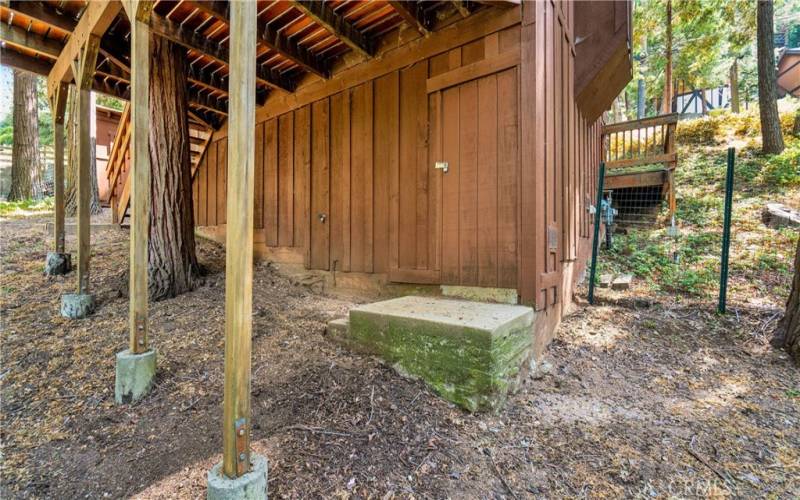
{"x": 512, "y": 208}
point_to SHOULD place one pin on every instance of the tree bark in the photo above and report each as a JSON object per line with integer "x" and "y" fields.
{"x": 71, "y": 165}
{"x": 667, "y": 103}
{"x": 796, "y": 126}
{"x": 172, "y": 263}
{"x": 789, "y": 327}
{"x": 734, "y": 77}
{"x": 26, "y": 179}
{"x": 771, "y": 136}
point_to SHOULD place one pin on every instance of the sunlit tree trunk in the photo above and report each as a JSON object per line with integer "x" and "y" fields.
{"x": 771, "y": 136}
{"x": 172, "y": 263}
{"x": 667, "y": 103}
{"x": 734, "y": 82}
{"x": 25, "y": 162}
{"x": 71, "y": 165}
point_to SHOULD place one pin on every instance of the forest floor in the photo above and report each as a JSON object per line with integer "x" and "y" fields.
{"x": 650, "y": 394}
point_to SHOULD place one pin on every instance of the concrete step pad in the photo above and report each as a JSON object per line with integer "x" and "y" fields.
{"x": 470, "y": 353}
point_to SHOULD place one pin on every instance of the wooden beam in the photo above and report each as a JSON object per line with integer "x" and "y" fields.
{"x": 175, "y": 32}
{"x": 15, "y": 35}
{"x": 83, "y": 75}
{"x": 95, "y": 20}
{"x": 324, "y": 15}
{"x": 413, "y": 14}
{"x": 272, "y": 39}
{"x": 239, "y": 233}
{"x": 43, "y": 13}
{"x": 139, "y": 14}
{"x": 462, "y": 7}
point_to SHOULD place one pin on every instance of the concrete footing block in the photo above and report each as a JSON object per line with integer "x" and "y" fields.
{"x": 135, "y": 374}
{"x": 57, "y": 263}
{"x": 251, "y": 486}
{"x": 77, "y": 305}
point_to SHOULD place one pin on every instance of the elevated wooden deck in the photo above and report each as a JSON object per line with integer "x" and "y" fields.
{"x": 641, "y": 153}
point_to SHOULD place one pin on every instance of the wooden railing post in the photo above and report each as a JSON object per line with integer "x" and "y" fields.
{"x": 240, "y": 472}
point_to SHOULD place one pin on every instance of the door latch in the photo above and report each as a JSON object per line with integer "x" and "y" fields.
{"x": 441, "y": 165}
{"x": 322, "y": 217}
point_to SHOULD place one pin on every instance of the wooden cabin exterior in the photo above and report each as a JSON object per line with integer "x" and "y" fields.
{"x": 359, "y": 110}
{"x": 346, "y": 170}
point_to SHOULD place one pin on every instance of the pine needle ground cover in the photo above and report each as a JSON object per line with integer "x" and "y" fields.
{"x": 646, "y": 397}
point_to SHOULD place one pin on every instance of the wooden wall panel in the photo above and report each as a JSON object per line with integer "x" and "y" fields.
{"x": 271, "y": 197}
{"x": 521, "y": 160}
{"x": 222, "y": 182}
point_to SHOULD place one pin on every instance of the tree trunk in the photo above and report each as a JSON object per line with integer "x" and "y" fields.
{"x": 735, "y": 86}
{"x": 789, "y": 327}
{"x": 667, "y": 103}
{"x": 26, "y": 179}
{"x": 172, "y": 263}
{"x": 771, "y": 136}
{"x": 71, "y": 165}
{"x": 796, "y": 126}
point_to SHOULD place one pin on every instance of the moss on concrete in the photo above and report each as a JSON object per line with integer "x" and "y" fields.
{"x": 470, "y": 366}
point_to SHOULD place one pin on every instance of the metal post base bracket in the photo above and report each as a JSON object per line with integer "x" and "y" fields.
{"x": 134, "y": 375}
{"x": 250, "y": 486}
{"x": 77, "y": 305}
{"x": 57, "y": 263}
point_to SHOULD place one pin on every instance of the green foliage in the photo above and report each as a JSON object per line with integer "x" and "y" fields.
{"x": 784, "y": 169}
{"x": 24, "y": 207}
{"x": 701, "y": 131}
{"x": 110, "y": 102}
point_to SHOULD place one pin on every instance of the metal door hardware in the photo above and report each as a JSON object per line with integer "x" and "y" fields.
{"x": 441, "y": 165}
{"x": 322, "y": 217}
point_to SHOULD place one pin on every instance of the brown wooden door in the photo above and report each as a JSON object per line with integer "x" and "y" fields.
{"x": 475, "y": 132}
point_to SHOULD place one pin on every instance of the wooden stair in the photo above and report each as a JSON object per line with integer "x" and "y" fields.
{"x": 118, "y": 166}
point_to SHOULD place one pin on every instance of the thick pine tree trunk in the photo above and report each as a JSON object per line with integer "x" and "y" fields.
{"x": 172, "y": 263}
{"x": 25, "y": 162}
{"x": 71, "y": 165}
{"x": 771, "y": 136}
{"x": 789, "y": 327}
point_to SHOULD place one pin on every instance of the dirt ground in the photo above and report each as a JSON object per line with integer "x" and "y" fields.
{"x": 645, "y": 398}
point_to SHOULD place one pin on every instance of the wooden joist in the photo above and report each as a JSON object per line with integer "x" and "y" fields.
{"x": 14, "y": 35}
{"x": 325, "y": 16}
{"x": 414, "y": 14}
{"x": 20, "y": 61}
{"x": 272, "y": 39}
{"x": 175, "y": 32}
{"x": 43, "y": 13}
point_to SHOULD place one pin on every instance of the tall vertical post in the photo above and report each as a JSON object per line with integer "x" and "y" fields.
{"x": 136, "y": 366}
{"x": 81, "y": 303}
{"x": 240, "y": 472}
{"x": 596, "y": 236}
{"x": 58, "y": 262}
{"x": 726, "y": 233}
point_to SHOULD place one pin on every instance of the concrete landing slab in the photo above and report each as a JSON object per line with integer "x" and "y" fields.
{"x": 470, "y": 353}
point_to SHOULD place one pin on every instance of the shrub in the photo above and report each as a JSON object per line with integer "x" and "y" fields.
{"x": 699, "y": 131}
{"x": 783, "y": 169}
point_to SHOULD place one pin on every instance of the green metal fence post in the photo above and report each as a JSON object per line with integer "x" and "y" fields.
{"x": 726, "y": 233}
{"x": 596, "y": 236}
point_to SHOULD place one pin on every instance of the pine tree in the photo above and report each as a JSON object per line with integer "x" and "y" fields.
{"x": 26, "y": 178}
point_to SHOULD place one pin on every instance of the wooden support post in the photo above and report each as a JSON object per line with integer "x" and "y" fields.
{"x": 84, "y": 74}
{"x": 139, "y": 14}
{"x": 57, "y": 108}
{"x": 239, "y": 240}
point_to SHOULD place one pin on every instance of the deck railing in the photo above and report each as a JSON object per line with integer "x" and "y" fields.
{"x": 646, "y": 141}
